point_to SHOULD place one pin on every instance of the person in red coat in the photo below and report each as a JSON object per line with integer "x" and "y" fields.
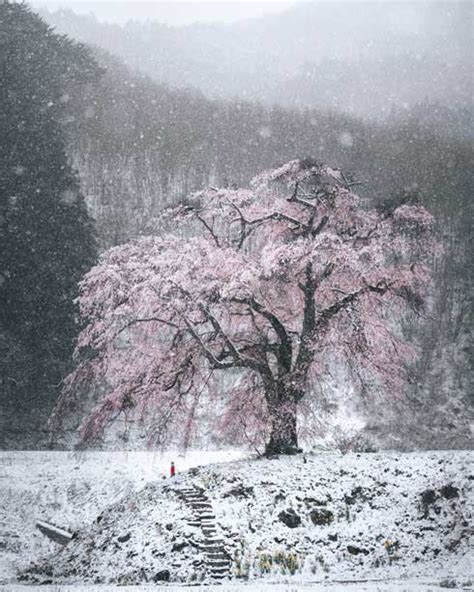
{"x": 172, "y": 469}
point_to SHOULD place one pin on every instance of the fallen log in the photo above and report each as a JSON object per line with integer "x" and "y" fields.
{"x": 58, "y": 535}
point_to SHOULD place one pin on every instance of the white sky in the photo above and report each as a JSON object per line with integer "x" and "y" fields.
{"x": 173, "y": 12}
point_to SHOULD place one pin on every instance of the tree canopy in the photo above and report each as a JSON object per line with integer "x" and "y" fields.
{"x": 268, "y": 285}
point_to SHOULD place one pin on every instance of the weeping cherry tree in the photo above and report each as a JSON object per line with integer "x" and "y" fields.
{"x": 266, "y": 285}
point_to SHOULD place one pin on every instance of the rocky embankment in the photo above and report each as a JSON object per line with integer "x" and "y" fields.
{"x": 318, "y": 518}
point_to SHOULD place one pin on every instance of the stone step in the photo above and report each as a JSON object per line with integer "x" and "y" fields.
{"x": 222, "y": 557}
{"x": 215, "y": 546}
{"x": 217, "y": 554}
{"x": 218, "y": 561}
{"x": 194, "y": 494}
{"x": 203, "y": 516}
{"x": 219, "y": 568}
{"x": 205, "y": 523}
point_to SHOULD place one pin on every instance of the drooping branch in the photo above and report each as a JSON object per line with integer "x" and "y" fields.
{"x": 239, "y": 359}
{"x": 145, "y": 320}
{"x": 248, "y": 225}
{"x": 211, "y": 358}
{"x": 210, "y": 230}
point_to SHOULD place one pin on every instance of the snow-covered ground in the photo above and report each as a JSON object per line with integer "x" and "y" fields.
{"x": 365, "y": 523}
{"x": 298, "y": 586}
{"x": 70, "y": 489}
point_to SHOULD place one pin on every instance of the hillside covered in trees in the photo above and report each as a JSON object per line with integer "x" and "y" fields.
{"x": 140, "y": 144}
{"x": 47, "y": 240}
{"x": 364, "y": 58}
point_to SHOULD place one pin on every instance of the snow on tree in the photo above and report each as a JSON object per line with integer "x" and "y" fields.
{"x": 266, "y": 285}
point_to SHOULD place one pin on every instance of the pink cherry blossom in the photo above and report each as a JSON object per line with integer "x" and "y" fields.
{"x": 243, "y": 300}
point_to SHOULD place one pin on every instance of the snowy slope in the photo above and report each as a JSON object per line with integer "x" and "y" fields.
{"x": 315, "y": 519}
{"x": 70, "y": 489}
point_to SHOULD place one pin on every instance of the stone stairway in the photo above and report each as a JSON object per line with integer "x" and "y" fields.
{"x": 218, "y": 560}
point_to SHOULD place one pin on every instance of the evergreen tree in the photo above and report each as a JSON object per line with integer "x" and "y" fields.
{"x": 46, "y": 236}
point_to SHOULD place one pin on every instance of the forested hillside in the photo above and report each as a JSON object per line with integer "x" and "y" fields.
{"x": 139, "y": 146}
{"x": 365, "y": 58}
{"x": 46, "y": 236}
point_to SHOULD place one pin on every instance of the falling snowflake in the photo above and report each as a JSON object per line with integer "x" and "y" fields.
{"x": 346, "y": 139}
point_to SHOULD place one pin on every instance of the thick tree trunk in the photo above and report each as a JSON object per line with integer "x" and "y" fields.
{"x": 283, "y": 436}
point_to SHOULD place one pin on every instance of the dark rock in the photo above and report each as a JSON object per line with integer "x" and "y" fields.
{"x": 353, "y": 550}
{"x": 449, "y": 491}
{"x": 179, "y": 546}
{"x": 332, "y": 537}
{"x": 169, "y": 527}
{"x": 240, "y": 492}
{"x": 448, "y": 583}
{"x": 357, "y": 494}
{"x": 290, "y": 518}
{"x": 315, "y": 502}
{"x": 321, "y": 517}
{"x": 453, "y": 545}
{"x": 428, "y": 497}
{"x": 162, "y": 576}
{"x": 124, "y": 538}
